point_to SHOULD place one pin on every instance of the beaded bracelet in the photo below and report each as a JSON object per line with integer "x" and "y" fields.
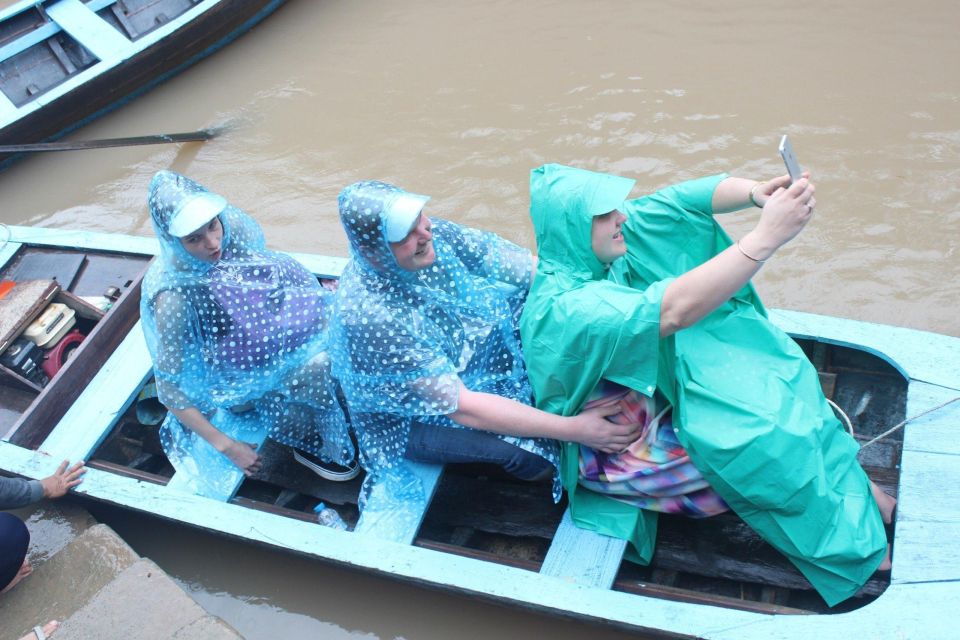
{"x": 747, "y": 255}
{"x": 753, "y": 191}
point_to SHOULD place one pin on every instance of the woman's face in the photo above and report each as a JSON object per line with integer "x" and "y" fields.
{"x": 415, "y": 252}
{"x": 606, "y": 237}
{"x": 205, "y": 243}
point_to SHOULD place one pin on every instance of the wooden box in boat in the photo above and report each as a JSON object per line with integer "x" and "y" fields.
{"x": 29, "y": 411}
{"x": 488, "y": 537}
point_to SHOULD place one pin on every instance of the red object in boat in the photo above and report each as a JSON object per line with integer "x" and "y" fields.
{"x": 58, "y": 355}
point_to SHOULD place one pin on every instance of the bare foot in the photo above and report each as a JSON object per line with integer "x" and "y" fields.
{"x": 886, "y": 502}
{"x": 23, "y": 572}
{"x": 42, "y": 633}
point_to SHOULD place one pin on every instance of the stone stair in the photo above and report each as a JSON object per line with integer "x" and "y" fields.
{"x": 88, "y": 578}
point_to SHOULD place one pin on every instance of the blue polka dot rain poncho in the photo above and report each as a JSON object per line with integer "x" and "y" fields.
{"x": 402, "y": 341}
{"x": 241, "y": 339}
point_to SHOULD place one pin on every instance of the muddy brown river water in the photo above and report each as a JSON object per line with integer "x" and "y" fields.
{"x": 460, "y": 101}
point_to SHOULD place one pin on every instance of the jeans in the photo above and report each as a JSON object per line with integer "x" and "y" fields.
{"x": 14, "y": 539}
{"x": 439, "y": 445}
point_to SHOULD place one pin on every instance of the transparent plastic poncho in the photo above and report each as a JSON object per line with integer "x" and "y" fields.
{"x": 403, "y": 340}
{"x": 242, "y": 340}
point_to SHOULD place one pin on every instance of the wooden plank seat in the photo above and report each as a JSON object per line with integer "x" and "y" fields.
{"x": 429, "y": 475}
{"x": 83, "y": 24}
{"x": 583, "y": 557}
{"x": 6, "y": 106}
{"x": 103, "y": 401}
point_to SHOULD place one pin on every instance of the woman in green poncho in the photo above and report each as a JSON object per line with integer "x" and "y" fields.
{"x": 650, "y": 295}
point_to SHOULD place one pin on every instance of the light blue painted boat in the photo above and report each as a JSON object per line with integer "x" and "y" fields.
{"x": 572, "y": 573}
{"x": 66, "y": 62}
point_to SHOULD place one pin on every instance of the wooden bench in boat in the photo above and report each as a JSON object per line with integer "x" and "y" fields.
{"x": 95, "y": 34}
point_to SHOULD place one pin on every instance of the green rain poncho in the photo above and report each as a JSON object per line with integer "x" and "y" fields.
{"x": 747, "y": 403}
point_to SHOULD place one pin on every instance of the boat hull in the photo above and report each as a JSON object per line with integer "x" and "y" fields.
{"x": 926, "y": 572}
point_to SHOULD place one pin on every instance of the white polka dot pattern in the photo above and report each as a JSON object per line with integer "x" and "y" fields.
{"x": 403, "y": 340}
{"x": 243, "y": 340}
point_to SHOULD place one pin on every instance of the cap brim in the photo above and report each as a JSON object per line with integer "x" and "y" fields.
{"x": 401, "y": 215}
{"x": 610, "y": 192}
{"x": 196, "y": 213}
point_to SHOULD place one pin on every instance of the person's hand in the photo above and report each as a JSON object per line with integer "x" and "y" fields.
{"x": 766, "y": 189}
{"x": 786, "y": 212}
{"x": 63, "y": 479}
{"x": 594, "y": 430}
{"x": 245, "y": 456}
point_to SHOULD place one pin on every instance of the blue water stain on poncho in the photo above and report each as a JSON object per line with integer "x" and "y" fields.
{"x": 403, "y": 340}
{"x": 243, "y": 340}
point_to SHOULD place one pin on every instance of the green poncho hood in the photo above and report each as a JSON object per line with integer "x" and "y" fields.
{"x": 577, "y": 326}
{"x": 563, "y": 204}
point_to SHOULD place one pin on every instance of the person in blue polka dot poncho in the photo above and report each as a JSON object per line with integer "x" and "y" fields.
{"x": 238, "y": 338}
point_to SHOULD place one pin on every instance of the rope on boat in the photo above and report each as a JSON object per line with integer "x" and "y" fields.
{"x": 844, "y": 418}
{"x": 911, "y": 419}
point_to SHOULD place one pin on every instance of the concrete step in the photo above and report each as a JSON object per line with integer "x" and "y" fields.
{"x": 62, "y": 584}
{"x": 87, "y": 577}
{"x": 143, "y": 603}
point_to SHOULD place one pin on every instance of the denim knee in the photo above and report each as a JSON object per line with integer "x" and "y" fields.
{"x": 14, "y": 539}
{"x": 442, "y": 444}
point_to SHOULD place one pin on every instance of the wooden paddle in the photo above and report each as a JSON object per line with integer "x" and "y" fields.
{"x": 163, "y": 138}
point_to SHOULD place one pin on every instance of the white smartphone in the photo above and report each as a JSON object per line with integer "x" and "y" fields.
{"x": 790, "y": 159}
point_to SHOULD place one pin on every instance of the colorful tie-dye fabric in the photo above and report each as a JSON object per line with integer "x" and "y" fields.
{"x": 653, "y": 473}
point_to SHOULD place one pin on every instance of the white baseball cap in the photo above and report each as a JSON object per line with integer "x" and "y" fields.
{"x": 401, "y": 214}
{"x": 195, "y": 213}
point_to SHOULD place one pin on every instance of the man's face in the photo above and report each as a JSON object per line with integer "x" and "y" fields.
{"x": 415, "y": 252}
{"x": 204, "y": 243}
{"x": 606, "y": 236}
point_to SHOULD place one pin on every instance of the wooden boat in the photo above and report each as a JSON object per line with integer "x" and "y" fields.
{"x": 66, "y": 62}
{"x": 486, "y": 536}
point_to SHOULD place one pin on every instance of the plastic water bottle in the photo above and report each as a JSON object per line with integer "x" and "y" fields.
{"x": 329, "y": 517}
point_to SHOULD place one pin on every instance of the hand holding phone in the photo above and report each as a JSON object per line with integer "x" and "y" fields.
{"x": 790, "y": 159}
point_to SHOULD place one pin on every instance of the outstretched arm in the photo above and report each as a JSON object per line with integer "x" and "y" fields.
{"x": 509, "y": 417}
{"x": 701, "y": 290}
